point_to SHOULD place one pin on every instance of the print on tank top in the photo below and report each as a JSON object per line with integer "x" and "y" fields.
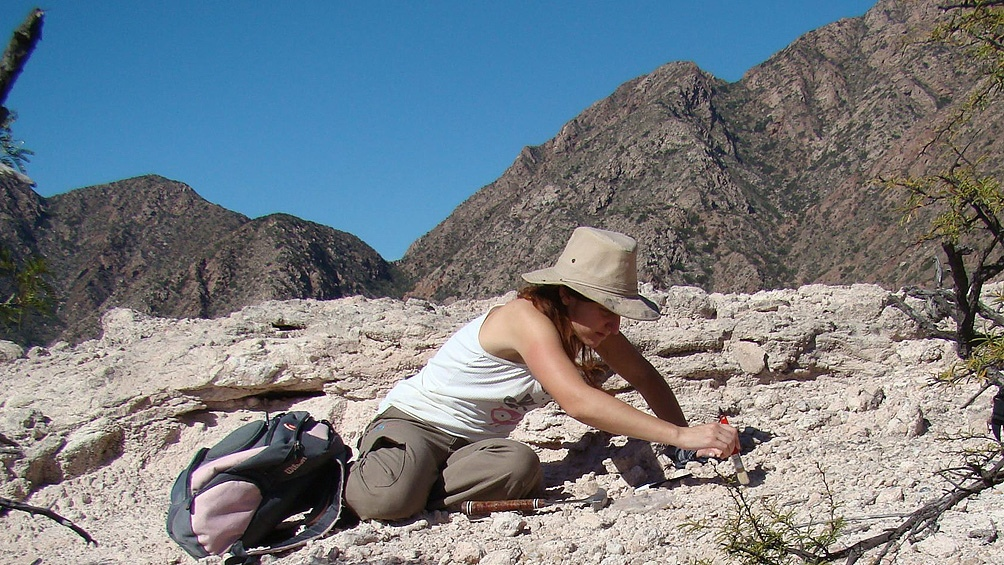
{"x": 512, "y": 411}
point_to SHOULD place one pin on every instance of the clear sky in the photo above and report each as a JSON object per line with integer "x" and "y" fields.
{"x": 375, "y": 118}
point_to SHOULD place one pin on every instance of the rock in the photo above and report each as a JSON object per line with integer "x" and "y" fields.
{"x": 938, "y": 545}
{"x": 687, "y": 302}
{"x": 102, "y": 426}
{"x": 10, "y": 351}
{"x": 863, "y": 399}
{"x": 501, "y": 557}
{"x": 39, "y": 466}
{"x": 466, "y": 552}
{"x": 555, "y": 550}
{"x": 23, "y": 424}
{"x": 615, "y": 548}
{"x": 590, "y": 520}
{"x": 889, "y": 495}
{"x": 751, "y": 358}
{"x": 675, "y": 341}
{"x": 645, "y": 501}
{"x": 122, "y": 325}
{"x": 508, "y": 524}
{"x": 908, "y": 421}
{"x": 90, "y": 447}
{"x": 986, "y": 536}
{"x": 644, "y": 538}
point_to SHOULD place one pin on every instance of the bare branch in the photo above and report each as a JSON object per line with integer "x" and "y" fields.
{"x": 973, "y": 398}
{"x": 21, "y": 45}
{"x": 35, "y": 510}
{"x": 924, "y": 518}
{"x": 924, "y": 322}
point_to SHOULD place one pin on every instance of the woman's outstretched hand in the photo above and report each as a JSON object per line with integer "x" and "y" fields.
{"x": 710, "y": 440}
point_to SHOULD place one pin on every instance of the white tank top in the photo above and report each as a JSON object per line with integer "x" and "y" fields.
{"x": 467, "y": 392}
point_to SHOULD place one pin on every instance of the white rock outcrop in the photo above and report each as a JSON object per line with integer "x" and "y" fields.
{"x": 821, "y": 381}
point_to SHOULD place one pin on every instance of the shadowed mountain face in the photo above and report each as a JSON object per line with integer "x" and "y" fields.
{"x": 154, "y": 245}
{"x": 767, "y": 182}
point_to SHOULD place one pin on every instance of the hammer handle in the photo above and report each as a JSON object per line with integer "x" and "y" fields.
{"x": 477, "y": 507}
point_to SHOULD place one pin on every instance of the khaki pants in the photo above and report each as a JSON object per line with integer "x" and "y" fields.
{"x": 406, "y": 466}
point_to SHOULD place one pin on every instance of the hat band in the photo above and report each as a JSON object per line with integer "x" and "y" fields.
{"x": 618, "y": 291}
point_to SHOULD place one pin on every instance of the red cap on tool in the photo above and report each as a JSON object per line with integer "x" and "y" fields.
{"x": 725, "y": 420}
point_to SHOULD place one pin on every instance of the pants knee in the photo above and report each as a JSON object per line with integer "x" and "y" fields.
{"x": 392, "y": 502}
{"x": 390, "y": 484}
{"x": 520, "y": 464}
{"x": 526, "y": 469}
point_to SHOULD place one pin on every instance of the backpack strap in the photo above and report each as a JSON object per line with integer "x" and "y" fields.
{"x": 242, "y": 560}
{"x": 321, "y": 524}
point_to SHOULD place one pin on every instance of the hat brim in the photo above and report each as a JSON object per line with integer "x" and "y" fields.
{"x": 635, "y": 307}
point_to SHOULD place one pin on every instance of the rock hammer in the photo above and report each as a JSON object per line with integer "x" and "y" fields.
{"x": 478, "y": 507}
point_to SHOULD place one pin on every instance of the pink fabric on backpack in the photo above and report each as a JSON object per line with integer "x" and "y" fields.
{"x": 233, "y": 504}
{"x": 210, "y": 469}
{"x": 319, "y": 430}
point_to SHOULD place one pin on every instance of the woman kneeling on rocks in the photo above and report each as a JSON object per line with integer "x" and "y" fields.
{"x": 440, "y": 436}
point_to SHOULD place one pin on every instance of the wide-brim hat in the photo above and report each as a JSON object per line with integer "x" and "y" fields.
{"x": 602, "y": 266}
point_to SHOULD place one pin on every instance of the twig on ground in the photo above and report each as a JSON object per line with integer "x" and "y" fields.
{"x": 35, "y": 510}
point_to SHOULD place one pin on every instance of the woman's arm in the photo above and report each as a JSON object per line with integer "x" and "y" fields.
{"x": 625, "y": 360}
{"x": 519, "y": 328}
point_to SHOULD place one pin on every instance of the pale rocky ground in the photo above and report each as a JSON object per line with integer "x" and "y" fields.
{"x": 823, "y": 382}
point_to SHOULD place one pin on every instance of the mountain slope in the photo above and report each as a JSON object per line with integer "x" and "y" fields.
{"x": 154, "y": 245}
{"x": 766, "y": 182}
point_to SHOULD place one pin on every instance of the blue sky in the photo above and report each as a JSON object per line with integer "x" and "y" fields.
{"x": 375, "y": 118}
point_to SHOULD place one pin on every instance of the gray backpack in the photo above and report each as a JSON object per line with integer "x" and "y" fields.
{"x": 269, "y": 486}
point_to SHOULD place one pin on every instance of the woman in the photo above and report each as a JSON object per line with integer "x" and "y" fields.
{"x": 440, "y": 436}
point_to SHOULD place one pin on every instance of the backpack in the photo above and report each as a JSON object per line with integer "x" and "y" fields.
{"x": 267, "y": 487}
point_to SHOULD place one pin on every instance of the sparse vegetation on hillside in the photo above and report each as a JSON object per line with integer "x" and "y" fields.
{"x": 24, "y": 288}
{"x": 13, "y": 153}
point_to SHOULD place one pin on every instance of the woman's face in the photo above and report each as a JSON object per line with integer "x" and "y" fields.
{"x": 591, "y": 322}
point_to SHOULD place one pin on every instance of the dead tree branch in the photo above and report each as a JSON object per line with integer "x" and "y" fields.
{"x": 924, "y": 518}
{"x": 7, "y": 503}
{"x": 23, "y": 42}
{"x": 938, "y": 298}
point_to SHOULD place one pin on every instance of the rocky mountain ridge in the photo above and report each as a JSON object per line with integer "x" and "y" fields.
{"x": 155, "y": 245}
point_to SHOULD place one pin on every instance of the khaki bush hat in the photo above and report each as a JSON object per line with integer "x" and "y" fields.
{"x": 602, "y": 266}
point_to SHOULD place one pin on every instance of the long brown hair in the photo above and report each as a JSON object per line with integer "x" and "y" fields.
{"x": 546, "y": 298}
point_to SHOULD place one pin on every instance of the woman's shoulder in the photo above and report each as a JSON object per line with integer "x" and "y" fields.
{"x": 518, "y": 310}
{"x": 506, "y": 325}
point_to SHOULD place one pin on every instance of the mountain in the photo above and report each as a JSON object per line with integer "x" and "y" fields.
{"x": 772, "y": 181}
{"x": 767, "y": 182}
{"x": 154, "y": 245}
